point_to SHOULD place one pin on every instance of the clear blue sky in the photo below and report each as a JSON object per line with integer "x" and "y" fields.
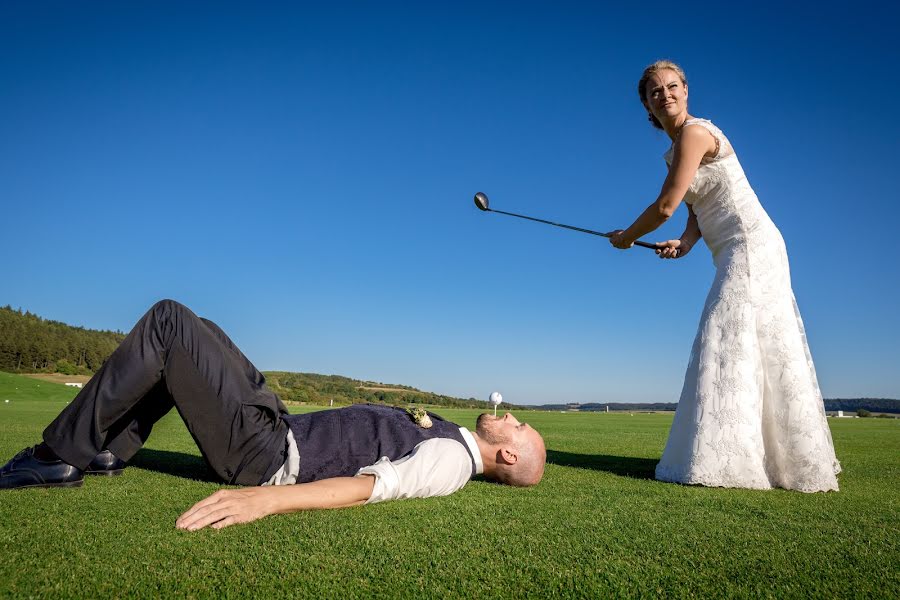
{"x": 304, "y": 176}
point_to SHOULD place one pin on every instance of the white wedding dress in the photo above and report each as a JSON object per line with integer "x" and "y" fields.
{"x": 751, "y": 414}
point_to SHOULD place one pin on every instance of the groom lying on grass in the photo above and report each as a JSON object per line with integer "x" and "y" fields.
{"x": 334, "y": 458}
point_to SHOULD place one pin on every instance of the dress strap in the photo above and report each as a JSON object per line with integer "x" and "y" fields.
{"x": 717, "y": 134}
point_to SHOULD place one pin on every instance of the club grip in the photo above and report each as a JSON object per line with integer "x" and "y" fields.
{"x": 646, "y": 245}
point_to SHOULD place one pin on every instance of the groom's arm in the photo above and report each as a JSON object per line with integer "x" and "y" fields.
{"x": 435, "y": 467}
{"x": 230, "y": 507}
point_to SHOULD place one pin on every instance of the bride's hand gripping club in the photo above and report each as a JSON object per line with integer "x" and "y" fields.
{"x": 617, "y": 239}
{"x": 673, "y": 249}
{"x": 667, "y": 249}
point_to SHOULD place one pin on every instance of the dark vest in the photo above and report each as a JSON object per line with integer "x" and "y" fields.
{"x": 339, "y": 442}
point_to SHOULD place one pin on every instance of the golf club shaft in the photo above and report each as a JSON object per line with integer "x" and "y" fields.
{"x": 581, "y": 229}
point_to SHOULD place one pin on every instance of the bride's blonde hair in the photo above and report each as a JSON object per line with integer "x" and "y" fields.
{"x": 660, "y": 65}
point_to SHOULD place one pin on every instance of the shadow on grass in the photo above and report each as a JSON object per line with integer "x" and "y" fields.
{"x": 178, "y": 464}
{"x": 625, "y": 466}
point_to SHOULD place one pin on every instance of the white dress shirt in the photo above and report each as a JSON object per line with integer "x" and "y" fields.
{"x": 435, "y": 467}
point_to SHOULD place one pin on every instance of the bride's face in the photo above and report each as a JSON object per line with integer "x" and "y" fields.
{"x": 666, "y": 96}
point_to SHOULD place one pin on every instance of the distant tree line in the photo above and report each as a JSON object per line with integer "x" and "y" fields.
{"x": 879, "y": 405}
{"x": 848, "y": 405}
{"x": 613, "y": 406}
{"x": 30, "y": 344}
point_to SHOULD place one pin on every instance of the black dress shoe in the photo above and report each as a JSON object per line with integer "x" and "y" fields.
{"x": 26, "y": 471}
{"x": 106, "y": 463}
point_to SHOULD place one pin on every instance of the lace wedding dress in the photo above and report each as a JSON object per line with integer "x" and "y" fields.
{"x": 751, "y": 414}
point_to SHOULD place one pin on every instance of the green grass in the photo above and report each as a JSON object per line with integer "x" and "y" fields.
{"x": 597, "y": 526}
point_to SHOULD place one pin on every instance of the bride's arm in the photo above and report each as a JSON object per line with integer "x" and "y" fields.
{"x": 680, "y": 247}
{"x": 692, "y": 231}
{"x": 691, "y": 146}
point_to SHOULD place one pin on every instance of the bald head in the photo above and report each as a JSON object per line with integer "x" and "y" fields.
{"x": 529, "y": 466}
{"x": 517, "y": 450}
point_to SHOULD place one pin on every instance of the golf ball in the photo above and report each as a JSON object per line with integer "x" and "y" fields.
{"x": 496, "y": 398}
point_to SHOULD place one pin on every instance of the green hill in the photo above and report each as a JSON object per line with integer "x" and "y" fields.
{"x": 312, "y": 388}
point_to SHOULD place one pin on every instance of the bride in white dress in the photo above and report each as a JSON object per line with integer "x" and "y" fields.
{"x": 751, "y": 414}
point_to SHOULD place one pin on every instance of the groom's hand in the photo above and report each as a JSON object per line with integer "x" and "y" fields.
{"x": 228, "y": 507}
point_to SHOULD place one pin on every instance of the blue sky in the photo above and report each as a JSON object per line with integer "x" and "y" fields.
{"x": 303, "y": 175}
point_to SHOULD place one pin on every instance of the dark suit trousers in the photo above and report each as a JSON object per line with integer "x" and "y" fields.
{"x": 174, "y": 358}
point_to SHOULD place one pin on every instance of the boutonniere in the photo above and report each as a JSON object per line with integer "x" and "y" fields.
{"x": 420, "y": 417}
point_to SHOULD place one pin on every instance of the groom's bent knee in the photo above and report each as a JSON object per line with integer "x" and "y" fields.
{"x": 172, "y": 311}
{"x": 167, "y": 306}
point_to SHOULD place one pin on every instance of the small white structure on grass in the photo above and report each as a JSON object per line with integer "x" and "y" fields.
{"x": 74, "y": 384}
{"x": 841, "y": 415}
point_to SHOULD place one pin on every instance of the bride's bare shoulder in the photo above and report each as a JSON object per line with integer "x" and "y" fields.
{"x": 696, "y": 137}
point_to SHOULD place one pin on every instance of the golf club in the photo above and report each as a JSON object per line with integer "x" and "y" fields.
{"x": 481, "y": 201}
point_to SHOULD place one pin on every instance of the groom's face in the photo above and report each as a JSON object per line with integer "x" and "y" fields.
{"x": 500, "y": 430}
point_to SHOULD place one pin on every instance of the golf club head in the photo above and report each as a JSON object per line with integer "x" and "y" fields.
{"x": 481, "y": 201}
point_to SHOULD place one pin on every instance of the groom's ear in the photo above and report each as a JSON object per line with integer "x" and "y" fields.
{"x": 507, "y": 456}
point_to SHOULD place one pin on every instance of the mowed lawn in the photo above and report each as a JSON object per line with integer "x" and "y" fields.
{"x": 597, "y": 526}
